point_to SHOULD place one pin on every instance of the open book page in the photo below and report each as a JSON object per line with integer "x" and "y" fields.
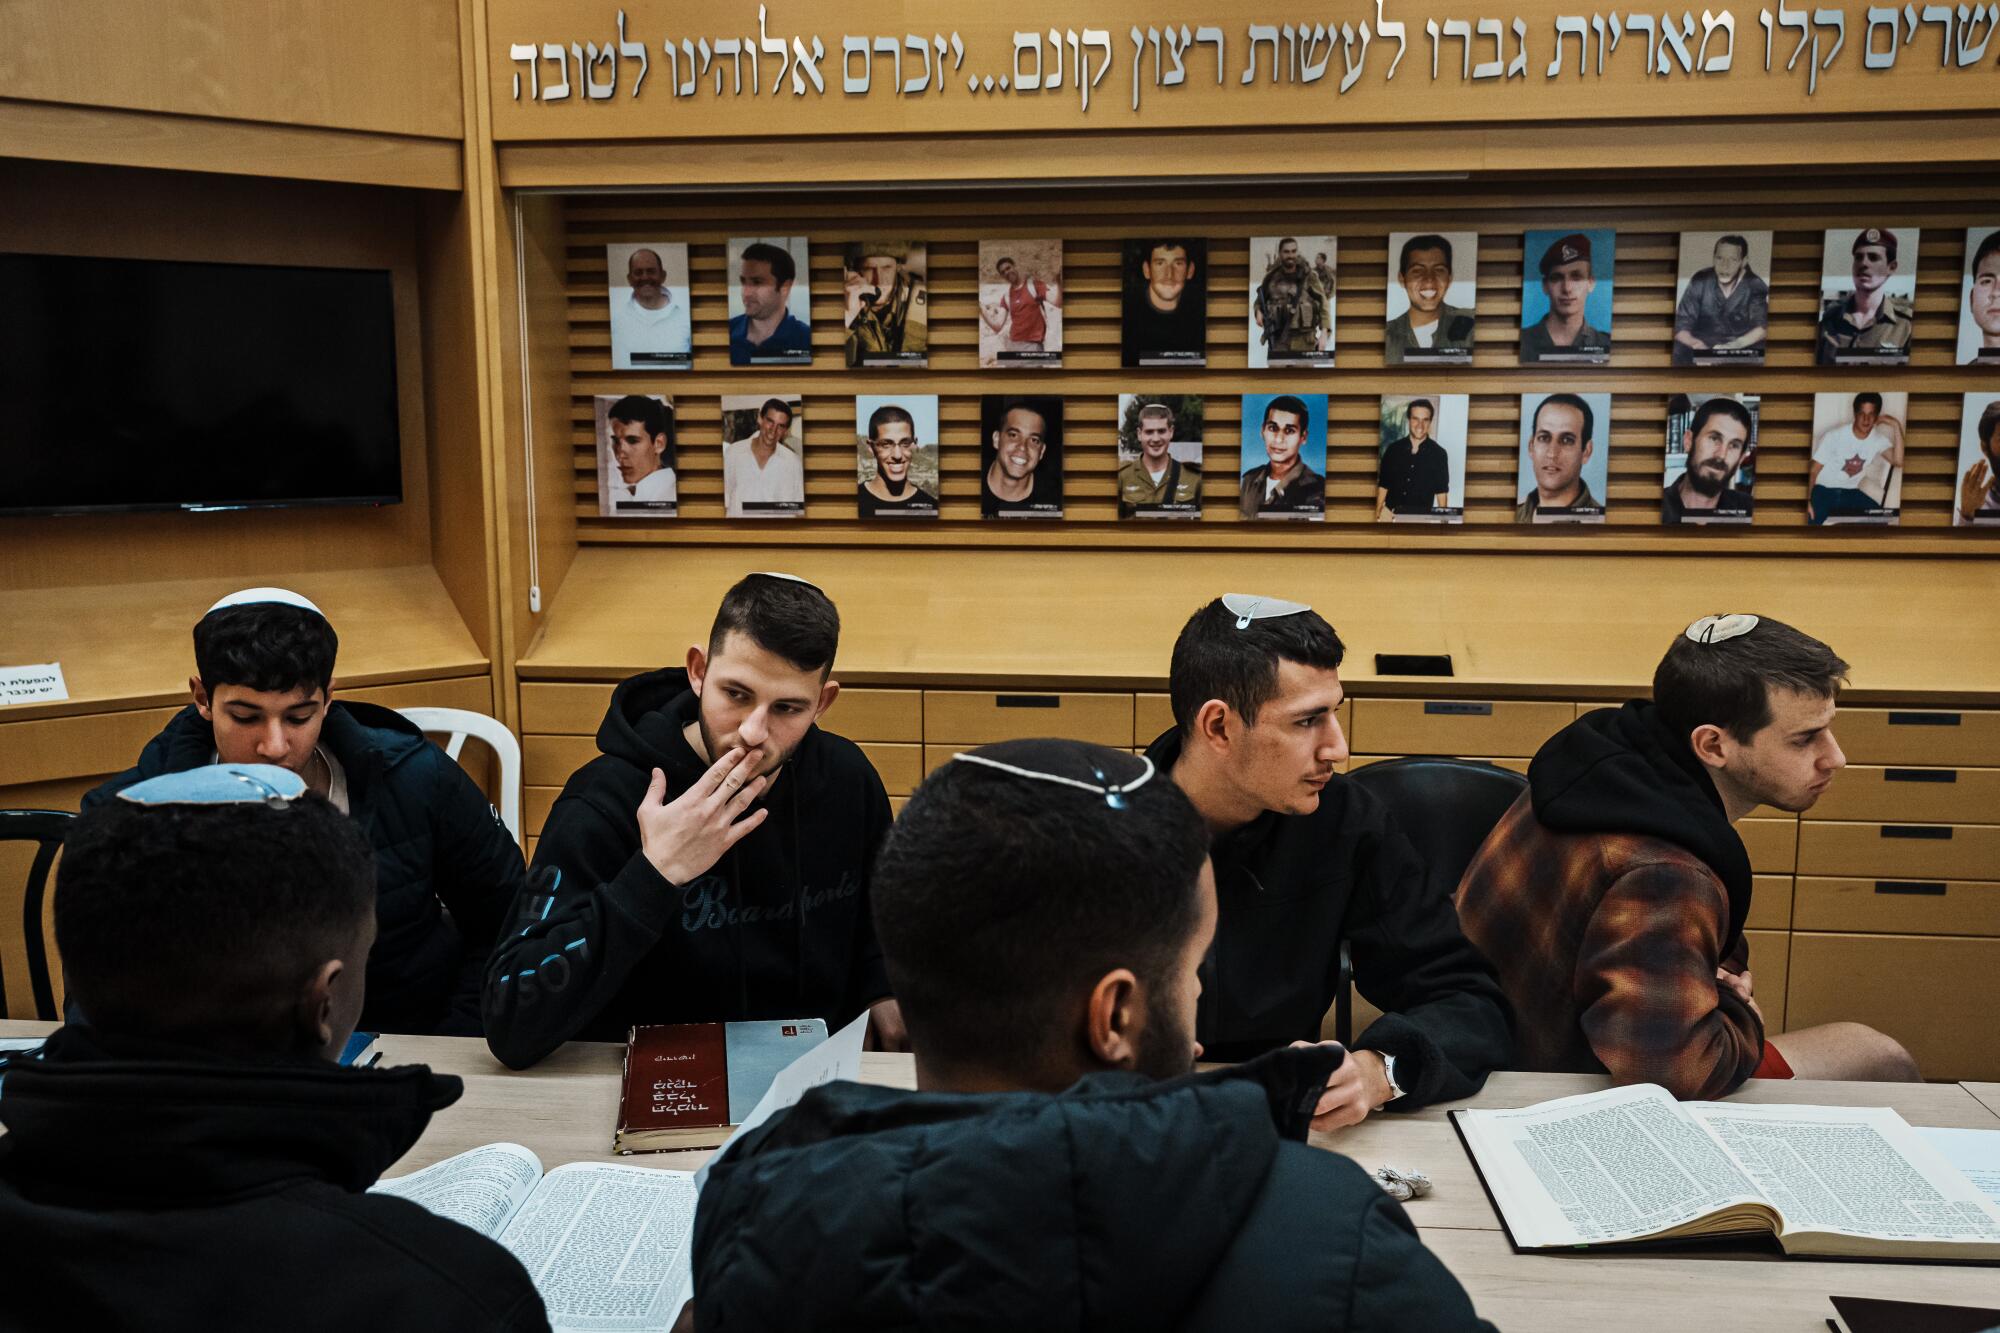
{"x": 1975, "y": 1152}
{"x": 1856, "y": 1171}
{"x": 1616, "y": 1165}
{"x": 482, "y": 1188}
{"x": 606, "y": 1244}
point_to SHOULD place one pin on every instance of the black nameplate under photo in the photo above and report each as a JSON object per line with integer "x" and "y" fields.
{"x": 1452, "y": 708}
{"x": 1928, "y": 888}
{"x": 1932, "y": 832}
{"x": 1413, "y": 664}
{"x": 1920, "y": 775}
{"x": 1026, "y": 701}
{"x": 1923, "y": 719}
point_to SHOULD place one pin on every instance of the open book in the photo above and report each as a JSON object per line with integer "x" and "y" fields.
{"x": 606, "y": 1244}
{"x": 1632, "y": 1164}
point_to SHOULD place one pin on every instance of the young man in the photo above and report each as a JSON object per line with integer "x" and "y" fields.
{"x": 1293, "y": 312}
{"x": 192, "y": 1157}
{"x": 767, "y": 329}
{"x": 1841, "y": 455}
{"x": 1714, "y": 443}
{"x": 1561, "y": 439}
{"x": 1414, "y": 474}
{"x": 892, "y": 439}
{"x": 713, "y": 862}
{"x": 1429, "y": 326}
{"x": 1726, "y": 309}
{"x": 1868, "y": 320}
{"x": 1982, "y": 304}
{"x": 1020, "y": 317}
{"x": 446, "y": 869}
{"x": 1306, "y": 861}
{"x": 642, "y": 443}
{"x": 1282, "y": 483}
{"x": 762, "y": 473}
{"x": 888, "y": 314}
{"x": 1156, "y": 481}
{"x": 1015, "y": 480}
{"x": 1166, "y": 315}
{"x": 1612, "y": 895}
{"x": 1044, "y": 907}
{"x": 1978, "y": 497}
{"x": 1568, "y": 279}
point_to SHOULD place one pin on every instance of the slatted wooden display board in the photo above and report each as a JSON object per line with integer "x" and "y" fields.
{"x": 1647, "y": 216}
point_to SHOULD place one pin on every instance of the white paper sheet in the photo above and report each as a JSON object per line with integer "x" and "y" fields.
{"x": 1975, "y": 1152}
{"x": 39, "y": 684}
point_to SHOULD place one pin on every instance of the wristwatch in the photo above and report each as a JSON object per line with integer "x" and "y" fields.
{"x": 1389, "y": 1072}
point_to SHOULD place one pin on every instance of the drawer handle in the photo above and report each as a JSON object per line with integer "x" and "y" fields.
{"x": 1920, "y": 775}
{"x": 1926, "y": 887}
{"x": 1026, "y": 701}
{"x": 1923, "y": 719}
{"x": 1933, "y": 832}
{"x": 1453, "y": 708}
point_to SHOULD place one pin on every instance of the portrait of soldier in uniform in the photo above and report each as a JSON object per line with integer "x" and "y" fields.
{"x": 1722, "y": 310}
{"x": 1979, "y": 316}
{"x": 1159, "y": 455}
{"x": 888, "y": 304}
{"x": 1433, "y": 283}
{"x": 1291, "y": 302}
{"x": 1283, "y": 468}
{"x": 1566, "y": 315}
{"x": 1868, "y": 296}
{"x": 1565, "y": 465}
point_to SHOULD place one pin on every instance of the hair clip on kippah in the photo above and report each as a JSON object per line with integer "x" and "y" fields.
{"x": 1719, "y": 629}
{"x": 1247, "y": 607}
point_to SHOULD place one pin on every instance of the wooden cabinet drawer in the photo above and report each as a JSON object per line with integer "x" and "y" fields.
{"x": 535, "y": 804}
{"x": 1900, "y": 851}
{"x": 1918, "y": 736}
{"x": 901, "y": 766}
{"x": 563, "y": 708}
{"x": 547, "y": 761}
{"x": 1770, "y": 903}
{"x": 1512, "y": 729}
{"x": 1912, "y": 795}
{"x": 877, "y": 715}
{"x": 1899, "y": 906}
{"x": 1772, "y": 843}
{"x": 1152, "y": 714}
{"x": 1935, "y": 994}
{"x": 1770, "y": 962}
{"x": 967, "y": 717}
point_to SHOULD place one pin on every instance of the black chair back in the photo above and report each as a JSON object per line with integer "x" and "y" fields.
{"x": 47, "y": 828}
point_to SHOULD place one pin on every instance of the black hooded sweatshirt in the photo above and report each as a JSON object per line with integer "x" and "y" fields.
{"x": 780, "y": 927}
{"x": 1120, "y": 1204}
{"x": 1289, "y": 889}
{"x": 447, "y": 871}
{"x": 147, "y": 1185}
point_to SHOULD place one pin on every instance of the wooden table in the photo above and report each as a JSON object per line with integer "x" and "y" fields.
{"x": 565, "y": 1109}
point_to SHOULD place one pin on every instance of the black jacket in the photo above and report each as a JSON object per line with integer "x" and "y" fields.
{"x": 1120, "y": 1204}
{"x": 779, "y": 928}
{"x": 1290, "y": 888}
{"x": 446, "y": 870}
{"x": 146, "y": 1186}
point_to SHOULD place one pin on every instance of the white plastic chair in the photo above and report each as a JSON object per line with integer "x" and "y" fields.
{"x": 457, "y": 724}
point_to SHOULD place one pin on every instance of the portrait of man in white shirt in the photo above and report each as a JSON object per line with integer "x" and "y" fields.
{"x": 763, "y": 472}
{"x": 647, "y": 286}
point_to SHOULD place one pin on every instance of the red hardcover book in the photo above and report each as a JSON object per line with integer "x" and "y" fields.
{"x": 688, "y": 1085}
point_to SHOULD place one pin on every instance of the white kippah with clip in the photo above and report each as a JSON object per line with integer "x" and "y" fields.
{"x": 1037, "y": 761}
{"x": 265, "y": 596}
{"x": 1248, "y": 607}
{"x": 1718, "y": 629}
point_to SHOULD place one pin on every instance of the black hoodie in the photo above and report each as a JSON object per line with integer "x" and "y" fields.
{"x": 447, "y": 871}
{"x": 778, "y": 928}
{"x": 1120, "y": 1204}
{"x": 146, "y": 1185}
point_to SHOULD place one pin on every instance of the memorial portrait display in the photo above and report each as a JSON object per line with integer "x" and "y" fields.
{"x": 635, "y": 456}
{"x": 1165, "y": 304}
{"x": 770, "y": 301}
{"x": 1722, "y": 298}
{"x": 1979, "y": 304}
{"x": 1565, "y": 457}
{"x": 1020, "y": 303}
{"x": 1159, "y": 455}
{"x": 1867, "y": 296}
{"x": 647, "y": 286}
{"x": 896, "y": 457}
{"x": 1856, "y": 471}
{"x": 1711, "y": 458}
{"x": 887, "y": 311}
{"x": 1291, "y": 301}
{"x": 763, "y": 455}
{"x": 1433, "y": 284}
{"x": 1282, "y": 470}
{"x": 1420, "y": 462}
{"x": 1975, "y": 494}
{"x": 1020, "y": 456}
{"x": 1566, "y": 289}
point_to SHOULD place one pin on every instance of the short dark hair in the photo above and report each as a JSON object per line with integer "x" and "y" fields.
{"x": 1288, "y": 402}
{"x": 1003, "y": 259}
{"x": 1424, "y": 403}
{"x": 781, "y": 405}
{"x": 271, "y": 647}
{"x": 886, "y": 413}
{"x": 783, "y": 268}
{"x": 1168, "y": 243}
{"x": 1430, "y": 240}
{"x": 1868, "y": 399}
{"x": 1567, "y": 400}
{"x": 788, "y": 617}
{"x": 646, "y": 412}
{"x": 200, "y": 922}
{"x": 1728, "y": 683}
{"x": 1723, "y": 405}
{"x": 1215, "y": 660}
{"x": 1742, "y": 245}
{"x": 999, "y": 898}
{"x": 1989, "y": 421}
{"x": 1987, "y": 249}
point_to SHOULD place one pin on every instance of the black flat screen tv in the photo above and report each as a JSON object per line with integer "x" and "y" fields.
{"x": 141, "y": 384}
